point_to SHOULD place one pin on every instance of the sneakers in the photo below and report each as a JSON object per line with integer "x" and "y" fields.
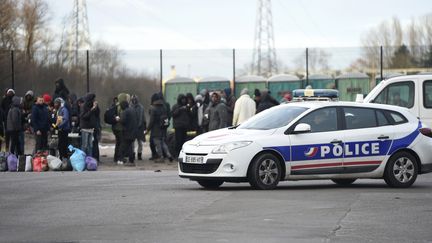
{"x": 119, "y": 162}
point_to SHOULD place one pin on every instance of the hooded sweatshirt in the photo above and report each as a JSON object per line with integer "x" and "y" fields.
{"x": 61, "y": 90}
{"x": 180, "y": 113}
{"x": 14, "y": 118}
{"x": 63, "y": 112}
{"x": 89, "y": 117}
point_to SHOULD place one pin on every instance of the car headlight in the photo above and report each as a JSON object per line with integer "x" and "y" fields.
{"x": 226, "y": 147}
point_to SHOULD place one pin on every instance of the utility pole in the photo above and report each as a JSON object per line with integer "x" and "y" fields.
{"x": 79, "y": 33}
{"x": 264, "y": 61}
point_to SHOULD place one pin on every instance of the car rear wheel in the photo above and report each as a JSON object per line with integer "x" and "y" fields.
{"x": 210, "y": 184}
{"x": 265, "y": 172}
{"x": 344, "y": 182}
{"x": 401, "y": 170}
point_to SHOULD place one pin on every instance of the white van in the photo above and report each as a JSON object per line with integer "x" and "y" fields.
{"x": 412, "y": 91}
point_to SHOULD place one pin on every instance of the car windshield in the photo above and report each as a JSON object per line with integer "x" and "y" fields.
{"x": 273, "y": 118}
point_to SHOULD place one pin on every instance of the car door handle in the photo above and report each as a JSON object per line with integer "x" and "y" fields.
{"x": 383, "y": 137}
{"x": 335, "y": 141}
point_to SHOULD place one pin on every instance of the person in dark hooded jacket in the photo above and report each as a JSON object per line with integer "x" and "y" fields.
{"x": 129, "y": 122}
{"x": 14, "y": 126}
{"x": 266, "y": 102}
{"x": 61, "y": 90}
{"x": 6, "y": 105}
{"x": 40, "y": 123}
{"x": 230, "y": 100}
{"x": 141, "y": 123}
{"x": 89, "y": 122}
{"x": 158, "y": 112}
{"x": 1, "y": 127}
{"x": 181, "y": 121}
{"x": 217, "y": 113}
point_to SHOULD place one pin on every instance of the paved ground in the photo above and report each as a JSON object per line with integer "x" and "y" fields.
{"x": 144, "y": 206}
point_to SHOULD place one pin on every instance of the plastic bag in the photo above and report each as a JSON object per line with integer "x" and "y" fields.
{"x": 77, "y": 159}
{"x": 54, "y": 163}
{"x": 3, "y": 161}
{"x": 12, "y": 162}
{"x": 91, "y": 163}
{"x": 66, "y": 165}
{"x": 28, "y": 163}
{"x": 21, "y": 163}
{"x": 40, "y": 162}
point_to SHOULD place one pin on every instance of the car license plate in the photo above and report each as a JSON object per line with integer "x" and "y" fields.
{"x": 194, "y": 159}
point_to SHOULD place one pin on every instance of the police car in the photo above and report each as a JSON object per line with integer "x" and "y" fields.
{"x": 341, "y": 141}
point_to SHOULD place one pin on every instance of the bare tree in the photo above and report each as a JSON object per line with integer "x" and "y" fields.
{"x": 34, "y": 15}
{"x": 8, "y": 24}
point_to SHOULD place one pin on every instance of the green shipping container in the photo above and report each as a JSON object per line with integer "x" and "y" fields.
{"x": 179, "y": 85}
{"x": 320, "y": 81}
{"x": 281, "y": 83}
{"x": 351, "y": 84}
{"x": 213, "y": 83}
{"x": 251, "y": 82}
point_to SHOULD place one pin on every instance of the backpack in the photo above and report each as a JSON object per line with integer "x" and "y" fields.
{"x": 110, "y": 114}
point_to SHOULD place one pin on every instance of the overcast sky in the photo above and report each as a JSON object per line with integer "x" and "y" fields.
{"x": 202, "y": 24}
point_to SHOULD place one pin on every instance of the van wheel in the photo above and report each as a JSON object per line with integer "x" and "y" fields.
{"x": 344, "y": 182}
{"x": 401, "y": 170}
{"x": 210, "y": 184}
{"x": 265, "y": 172}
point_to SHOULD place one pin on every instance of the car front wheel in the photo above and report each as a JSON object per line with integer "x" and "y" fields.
{"x": 210, "y": 184}
{"x": 265, "y": 172}
{"x": 401, "y": 170}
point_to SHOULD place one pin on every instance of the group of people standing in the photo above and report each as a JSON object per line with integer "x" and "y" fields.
{"x": 63, "y": 113}
{"x": 50, "y": 119}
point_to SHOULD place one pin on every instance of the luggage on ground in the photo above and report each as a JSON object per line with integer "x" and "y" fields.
{"x": 28, "y": 163}
{"x": 54, "y": 163}
{"x": 3, "y": 161}
{"x": 12, "y": 162}
{"x": 91, "y": 163}
{"x": 21, "y": 163}
{"x": 77, "y": 158}
{"x": 66, "y": 165}
{"x": 40, "y": 162}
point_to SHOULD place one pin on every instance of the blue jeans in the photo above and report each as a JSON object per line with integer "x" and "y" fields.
{"x": 87, "y": 142}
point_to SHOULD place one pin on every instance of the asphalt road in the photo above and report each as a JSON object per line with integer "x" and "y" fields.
{"x": 142, "y": 206}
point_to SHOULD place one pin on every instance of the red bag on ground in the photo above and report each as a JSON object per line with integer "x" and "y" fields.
{"x": 40, "y": 162}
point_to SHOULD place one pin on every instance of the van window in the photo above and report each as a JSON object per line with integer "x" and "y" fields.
{"x": 427, "y": 94}
{"x": 400, "y": 94}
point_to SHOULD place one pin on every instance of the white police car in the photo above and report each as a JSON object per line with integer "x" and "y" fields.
{"x": 341, "y": 141}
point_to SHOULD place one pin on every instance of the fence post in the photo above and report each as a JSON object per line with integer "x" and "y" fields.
{"x": 88, "y": 71}
{"x": 234, "y": 67}
{"x": 161, "y": 70}
{"x": 307, "y": 66}
{"x": 381, "y": 63}
{"x": 13, "y": 68}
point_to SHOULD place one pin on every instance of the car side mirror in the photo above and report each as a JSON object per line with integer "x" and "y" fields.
{"x": 302, "y": 128}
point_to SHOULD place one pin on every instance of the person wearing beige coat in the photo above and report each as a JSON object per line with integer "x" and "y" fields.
{"x": 244, "y": 108}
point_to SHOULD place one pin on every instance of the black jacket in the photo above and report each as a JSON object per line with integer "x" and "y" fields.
{"x": 89, "y": 117}
{"x": 61, "y": 90}
{"x": 180, "y": 114}
{"x": 40, "y": 118}
{"x": 266, "y": 102}
{"x": 129, "y": 122}
{"x": 157, "y": 109}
